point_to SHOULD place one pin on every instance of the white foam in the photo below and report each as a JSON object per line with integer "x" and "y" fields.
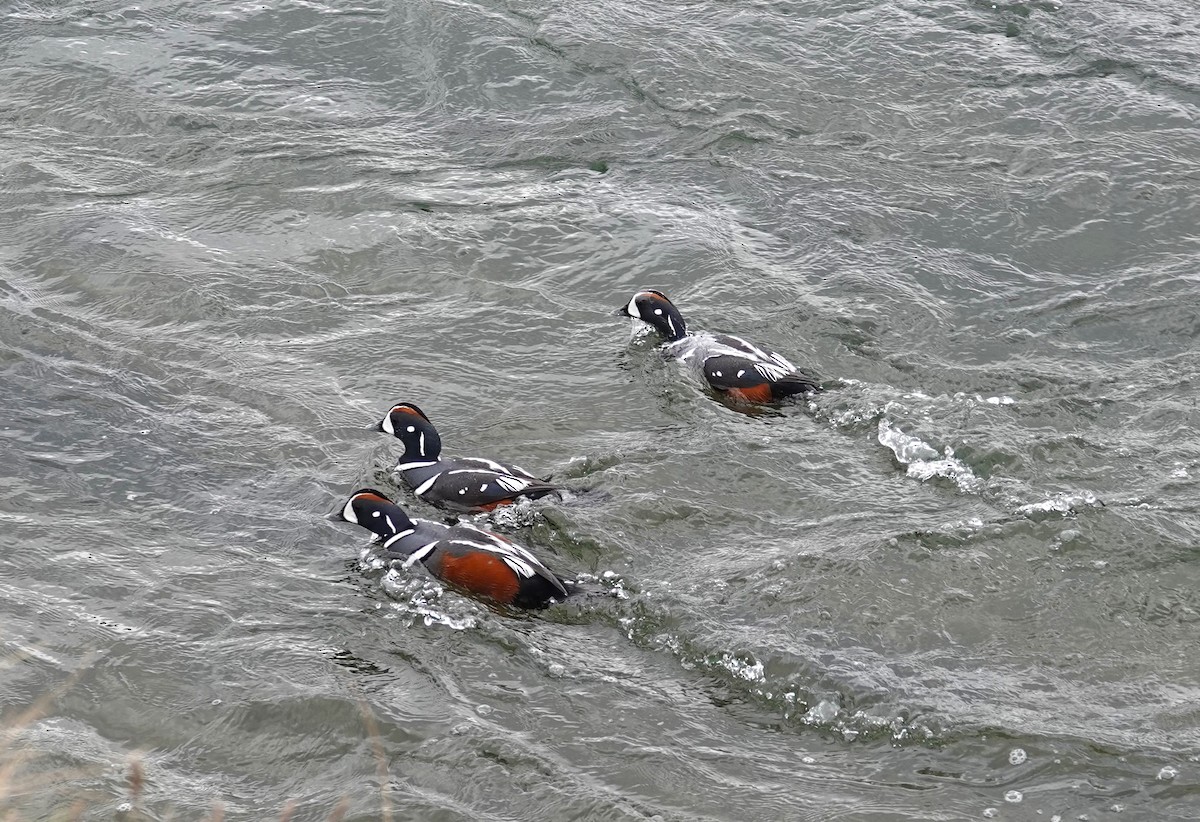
{"x": 423, "y": 598}
{"x": 749, "y": 671}
{"x": 823, "y": 713}
{"x": 519, "y": 514}
{"x": 923, "y": 460}
{"x": 908, "y": 449}
{"x": 1064, "y": 503}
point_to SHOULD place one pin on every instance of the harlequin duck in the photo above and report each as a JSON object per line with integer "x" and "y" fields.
{"x": 475, "y": 561}
{"x": 458, "y": 484}
{"x": 731, "y": 365}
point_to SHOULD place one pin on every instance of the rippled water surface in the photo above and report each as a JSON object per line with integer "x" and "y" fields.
{"x": 963, "y": 582}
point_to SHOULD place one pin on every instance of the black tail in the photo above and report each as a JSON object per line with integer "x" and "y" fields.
{"x": 538, "y": 490}
{"x": 793, "y": 384}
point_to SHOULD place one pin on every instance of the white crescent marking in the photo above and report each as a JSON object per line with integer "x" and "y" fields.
{"x": 419, "y": 554}
{"x": 426, "y": 485}
{"x": 396, "y": 537}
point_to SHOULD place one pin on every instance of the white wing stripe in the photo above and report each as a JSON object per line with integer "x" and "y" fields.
{"x": 514, "y": 555}
{"x": 771, "y": 371}
{"x": 517, "y": 565}
{"x": 511, "y": 483}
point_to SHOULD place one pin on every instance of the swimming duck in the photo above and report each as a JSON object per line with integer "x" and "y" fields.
{"x": 465, "y": 485}
{"x": 475, "y": 561}
{"x": 731, "y": 365}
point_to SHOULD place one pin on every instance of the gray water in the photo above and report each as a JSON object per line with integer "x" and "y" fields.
{"x": 961, "y": 583}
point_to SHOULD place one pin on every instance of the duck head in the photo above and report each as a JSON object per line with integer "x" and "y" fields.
{"x": 407, "y": 423}
{"x": 375, "y": 512}
{"x": 654, "y": 308}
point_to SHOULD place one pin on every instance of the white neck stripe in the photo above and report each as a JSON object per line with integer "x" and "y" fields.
{"x": 419, "y": 554}
{"x": 405, "y": 466}
{"x": 396, "y": 537}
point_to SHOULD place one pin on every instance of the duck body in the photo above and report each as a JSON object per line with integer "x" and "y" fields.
{"x": 740, "y": 369}
{"x": 730, "y": 365}
{"x": 465, "y": 485}
{"x": 478, "y": 562}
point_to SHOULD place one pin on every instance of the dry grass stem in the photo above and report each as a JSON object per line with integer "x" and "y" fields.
{"x": 381, "y": 765}
{"x": 339, "y": 810}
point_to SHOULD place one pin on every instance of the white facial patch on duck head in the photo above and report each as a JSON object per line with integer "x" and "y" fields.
{"x": 632, "y": 309}
{"x": 348, "y": 511}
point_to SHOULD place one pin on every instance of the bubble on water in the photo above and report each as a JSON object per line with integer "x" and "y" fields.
{"x": 991, "y": 812}
{"x": 807, "y": 760}
{"x": 556, "y": 669}
{"x": 822, "y": 713}
{"x": 1168, "y": 773}
{"x": 521, "y": 514}
{"x": 1014, "y": 796}
{"x": 1056, "y": 818}
{"x": 908, "y": 449}
{"x": 483, "y": 709}
{"x": 750, "y": 669}
{"x": 1063, "y": 503}
{"x": 923, "y": 460}
{"x": 1017, "y": 756}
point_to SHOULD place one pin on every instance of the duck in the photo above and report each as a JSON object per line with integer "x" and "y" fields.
{"x": 732, "y": 366}
{"x": 480, "y": 563}
{"x": 461, "y": 485}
